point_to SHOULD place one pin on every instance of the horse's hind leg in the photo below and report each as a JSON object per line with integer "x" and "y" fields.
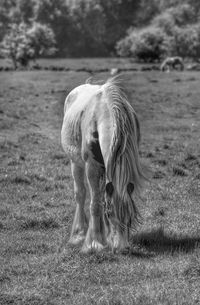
{"x": 79, "y": 227}
{"x": 95, "y": 238}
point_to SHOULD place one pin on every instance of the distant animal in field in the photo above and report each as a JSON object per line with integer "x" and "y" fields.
{"x": 101, "y": 134}
{"x": 172, "y": 63}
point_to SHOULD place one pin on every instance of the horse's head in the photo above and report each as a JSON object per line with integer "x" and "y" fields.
{"x": 119, "y": 208}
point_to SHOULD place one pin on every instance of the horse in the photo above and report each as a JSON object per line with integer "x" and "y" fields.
{"x": 173, "y": 63}
{"x": 100, "y": 134}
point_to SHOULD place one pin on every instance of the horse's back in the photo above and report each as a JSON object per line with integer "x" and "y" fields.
{"x": 79, "y": 97}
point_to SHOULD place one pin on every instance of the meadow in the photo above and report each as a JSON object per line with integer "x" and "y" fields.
{"x": 37, "y": 266}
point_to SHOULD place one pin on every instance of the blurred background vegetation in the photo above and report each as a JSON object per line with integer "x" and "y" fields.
{"x": 142, "y": 29}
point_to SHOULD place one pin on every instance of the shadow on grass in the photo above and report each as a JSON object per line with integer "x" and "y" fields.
{"x": 157, "y": 241}
{"x": 39, "y": 224}
{"x": 146, "y": 245}
{"x": 17, "y": 299}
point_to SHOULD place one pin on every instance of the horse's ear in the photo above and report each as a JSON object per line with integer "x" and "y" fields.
{"x": 109, "y": 189}
{"x": 130, "y": 188}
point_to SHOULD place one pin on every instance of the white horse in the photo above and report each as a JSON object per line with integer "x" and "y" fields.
{"x": 100, "y": 135}
{"x": 172, "y": 63}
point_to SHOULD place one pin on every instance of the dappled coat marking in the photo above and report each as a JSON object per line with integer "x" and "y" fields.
{"x": 100, "y": 135}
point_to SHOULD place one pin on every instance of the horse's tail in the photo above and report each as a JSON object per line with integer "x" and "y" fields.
{"x": 123, "y": 165}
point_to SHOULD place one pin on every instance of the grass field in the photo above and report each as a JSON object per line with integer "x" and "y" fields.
{"x": 37, "y": 266}
{"x": 82, "y": 63}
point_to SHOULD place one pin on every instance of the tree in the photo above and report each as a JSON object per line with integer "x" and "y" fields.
{"x": 21, "y": 11}
{"x": 42, "y": 39}
{"x": 183, "y": 14}
{"x": 148, "y": 44}
{"x": 186, "y": 42}
{"x": 147, "y": 11}
{"x": 165, "y": 21}
{"x": 100, "y": 24}
{"x": 123, "y": 46}
{"x": 56, "y": 15}
{"x": 5, "y": 8}
{"x": 91, "y": 31}
{"x": 119, "y": 16}
{"x": 26, "y": 9}
{"x": 24, "y": 43}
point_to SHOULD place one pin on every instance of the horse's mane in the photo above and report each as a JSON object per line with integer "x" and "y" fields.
{"x": 123, "y": 165}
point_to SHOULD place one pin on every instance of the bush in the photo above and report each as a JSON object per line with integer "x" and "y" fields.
{"x": 176, "y": 16}
{"x": 183, "y": 40}
{"x": 123, "y": 47}
{"x": 186, "y": 41}
{"x": 183, "y": 14}
{"x": 24, "y": 43}
{"x": 42, "y": 39}
{"x": 148, "y": 45}
{"x": 165, "y": 21}
{"x": 16, "y": 46}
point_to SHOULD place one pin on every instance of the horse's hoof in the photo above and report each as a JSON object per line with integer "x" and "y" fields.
{"x": 76, "y": 239}
{"x": 94, "y": 246}
{"x": 125, "y": 250}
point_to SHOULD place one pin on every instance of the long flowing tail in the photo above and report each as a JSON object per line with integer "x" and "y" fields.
{"x": 123, "y": 166}
{"x": 123, "y": 162}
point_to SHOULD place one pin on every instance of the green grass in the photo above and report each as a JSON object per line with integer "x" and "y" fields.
{"x": 82, "y": 63}
{"x": 37, "y": 266}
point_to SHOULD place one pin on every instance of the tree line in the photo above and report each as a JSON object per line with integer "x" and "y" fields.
{"x": 143, "y": 29}
{"x": 80, "y": 27}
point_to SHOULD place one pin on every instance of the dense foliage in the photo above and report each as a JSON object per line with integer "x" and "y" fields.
{"x": 146, "y": 30}
{"x": 174, "y": 31}
{"x": 24, "y": 43}
{"x": 149, "y": 44}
